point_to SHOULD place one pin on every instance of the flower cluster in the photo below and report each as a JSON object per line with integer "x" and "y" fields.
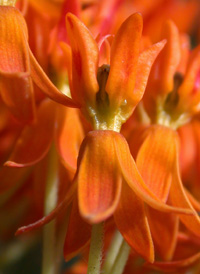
{"x": 100, "y": 134}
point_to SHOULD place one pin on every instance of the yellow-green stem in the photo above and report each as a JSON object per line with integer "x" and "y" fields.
{"x": 121, "y": 259}
{"x": 48, "y": 262}
{"x": 96, "y": 245}
{"x": 112, "y": 252}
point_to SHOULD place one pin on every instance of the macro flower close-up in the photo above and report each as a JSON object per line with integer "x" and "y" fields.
{"x": 100, "y": 137}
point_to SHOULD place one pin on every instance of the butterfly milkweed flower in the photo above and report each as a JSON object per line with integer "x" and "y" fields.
{"x": 171, "y": 100}
{"x": 19, "y": 69}
{"x": 107, "y": 178}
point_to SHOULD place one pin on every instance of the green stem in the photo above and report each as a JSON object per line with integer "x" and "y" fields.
{"x": 95, "y": 255}
{"x": 121, "y": 259}
{"x": 61, "y": 238}
{"x": 48, "y": 262}
{"x": 112, "y": 252}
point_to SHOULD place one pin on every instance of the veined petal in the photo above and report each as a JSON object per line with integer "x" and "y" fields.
{"x": 155, "y": 160}
{"x": 35, "y": 140}
{"x": 133, "y": 178}
{"x": 131, "y": 220}
{"x": 98, "y": 176}
{"x": 44, "y": 83}
{"x": 179, "y": 198}
{"x": 173, "y": 266}
{"x": 145, "y": 62}
{"x": 78, "y": 233}
{"x": 85, "y": 58}
{"x": 124, "y": 60}
{"x": 164, "y": 230}
{"x": 15, "y": 82}
{"x": 69, "y": 136}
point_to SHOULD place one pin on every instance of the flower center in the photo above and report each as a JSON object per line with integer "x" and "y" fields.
{"x": 7, "y": 3}
{"x": 168, "y": 113}
{"x": 102, "y": 115}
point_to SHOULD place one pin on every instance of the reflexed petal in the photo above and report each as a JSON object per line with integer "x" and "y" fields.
{"x": 35, "y": 140}
{"x": 124, "y": 60}
{"x": 98, "y": 176}
{"x": 52, "y": 215}
{"x": 44, "y": 83}
{"x": 133, "y": 178}
{"x": 131, "y": 220}
{"x": 78, "y": 233}
{"x": 85, "y": 57}
{"x": 164, "y": 230}
{"x": 179, "y": 198}
{"x": 69, "y": 136}
{"x": 155, "y": 160}
{"x": 15, "y": 82}
{"x": 173, "y": 266}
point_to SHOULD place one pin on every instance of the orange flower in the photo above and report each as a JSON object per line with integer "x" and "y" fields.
{"x": 108, "y": 95}
{"x": 107, "y": 177}
{"x": 18, "y": 68}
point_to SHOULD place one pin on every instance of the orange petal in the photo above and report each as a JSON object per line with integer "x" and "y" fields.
{"x": 15, "y": 82}
{"x": 179, "y": 198}
{"x": 131, "y": 220}
{"x": 124, "y": 60}
{"x": 35, "y": 140}
{"x": 52, "y": 215}
{"x": 164, "y": 230}
{"x": 133, "y": 178}
{"x": 156, "y": 158}
{"x": 189, "y": 90}
{"x": 175, "y": 266}
{"x": 78, "y": 233}
{"x": 99, "y": 180}
{"x": 69, "y": 136}
{"x": 169, "y": 57}
{"x": 85, "y": 57}
{"x": 44, "y": 83}
{"x": 145, "y": 62}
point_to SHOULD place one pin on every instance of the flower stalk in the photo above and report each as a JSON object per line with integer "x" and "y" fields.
{"x": 48, "y": 262}
{"x": 121, "y": 259}
{"x": 96, "y": 245}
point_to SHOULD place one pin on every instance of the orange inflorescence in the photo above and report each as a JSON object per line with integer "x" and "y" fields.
{"x": 100, "y": 124}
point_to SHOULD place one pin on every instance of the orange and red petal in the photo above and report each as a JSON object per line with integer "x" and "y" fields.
{"x": 85, "y": 58}
{"x": 35, "y": 140}
{"x": 15, "y": 82}
{"x": 145, "y": 62}
{"x": 52, "y": 215}
{"x": 132, "y": 176}
{"x": 78, "y": 232}
{"x": 155, "y": 159}
{"x": 169, "y": 57}
{"x": 175, "y": 266}
{"x": 69, "y": 136}
{"x": 164, "y": 230}
{"x": 45, "y": 84}
{"x": 178, "y": 197}
{"x": 131, "y": 220}
{"x": 98, "y": 176}
{"x": 124, "y": 60}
